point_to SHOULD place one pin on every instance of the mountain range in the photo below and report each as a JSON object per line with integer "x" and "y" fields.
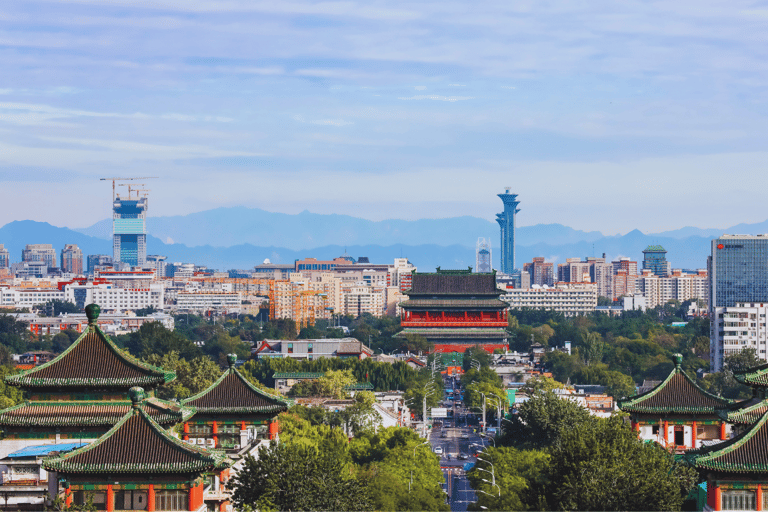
{"x": 239, "y": 237}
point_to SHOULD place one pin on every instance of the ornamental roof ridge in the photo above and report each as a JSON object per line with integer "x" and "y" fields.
{"x": 137, "y": 444}
{"x": 90, "y": 413}
{"x": 92, "y": 360}
{"x": 677, "y": 382}
{"x": 744, "y": 453}
{"x": 754, "y": 377}
{"x": 745, "y": 412}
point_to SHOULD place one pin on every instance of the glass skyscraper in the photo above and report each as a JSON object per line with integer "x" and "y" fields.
{"x": 129, "y": 228}
{"x": 506, "y": 220}
{"x": 655, "y": 260}
{"x": 738, "y": 270}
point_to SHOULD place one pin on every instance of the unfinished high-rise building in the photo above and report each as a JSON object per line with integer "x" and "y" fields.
{"x": 129, "y": 228}
{"x": 483, "y": 259}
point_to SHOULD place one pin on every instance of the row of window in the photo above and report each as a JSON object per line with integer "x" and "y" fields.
{"x": 134, "y": 500}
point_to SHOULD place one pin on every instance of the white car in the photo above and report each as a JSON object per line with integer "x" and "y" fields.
{"x": 438, "y": 450}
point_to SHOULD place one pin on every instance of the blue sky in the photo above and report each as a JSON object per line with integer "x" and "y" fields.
{"x": 600, "y": 115}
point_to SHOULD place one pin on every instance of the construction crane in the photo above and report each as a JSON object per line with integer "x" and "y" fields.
{"x": 135, "y": 188}
{"x": 113, "y": 180}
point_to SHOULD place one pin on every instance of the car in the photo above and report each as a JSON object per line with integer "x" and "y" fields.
{"x": 465, "y": 435}
{"x": 444, "y": 434}
{"x": 463, "y": 456}
{"x": 438, "y": 450}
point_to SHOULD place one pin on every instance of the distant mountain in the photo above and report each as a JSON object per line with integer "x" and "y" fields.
{"x": 226, "y": 227}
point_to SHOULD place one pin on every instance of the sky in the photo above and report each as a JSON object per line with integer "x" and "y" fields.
{"x": 604, "y": 116}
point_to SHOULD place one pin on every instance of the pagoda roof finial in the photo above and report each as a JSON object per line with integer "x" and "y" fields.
{"x": 92, "y": 311}
{"x": 231, "y": 360}
{"x": 137, "y": 396}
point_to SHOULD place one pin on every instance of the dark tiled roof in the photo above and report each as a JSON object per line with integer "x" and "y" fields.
{"x": 447, "y": 332}
{"x": 757, "y": 376}
{"x": 88, "y": 414}
{"x": 232, "y": 393}
{"x": 746, "y": 412}
{"x": 676, "y": 394}
{"x": 93, "y": 360}
{"x": 454, "y": 284}
{"x": 486, "y": 303}
{"x": 353, "y": 347}
{"x": 137, "y": 444}
{"x": 745, "y": 453}
{"x": 297, "y": 375}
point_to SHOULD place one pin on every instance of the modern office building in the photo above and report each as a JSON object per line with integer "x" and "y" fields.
{"x": 72, "y": 259}
{"x": 39, "y": 252}
{"x": 483, "y": 257}
{"x": 5, "y": 259}
{"x": 129, "y": 228}
{"x": 506, "y": 221}
{"x": 738, "y": 270}
{"x": 98, "y": 261}
{"x": 655, "y": 260}
{"x": 158, "y": 263}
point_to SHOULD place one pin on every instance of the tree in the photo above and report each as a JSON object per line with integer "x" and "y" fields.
{"x": 416, "y": 343}
{"x": 57, "y": 307}
{"x": 289, "y": 476}
{"x": 600, "y": 464}
{"x": 540, "y": 384}
{"x": 154, "y": 338}
{"x": 192, "y": 376}
{"x": 62, "y": 340}
{"x": 473, "y": 396}
{"x": 541, "y": 421}
{"x": 592, "y": 348}
{"x": 519, "y": 476}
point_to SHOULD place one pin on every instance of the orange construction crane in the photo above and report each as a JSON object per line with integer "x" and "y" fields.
{"x": 113, "y": 180}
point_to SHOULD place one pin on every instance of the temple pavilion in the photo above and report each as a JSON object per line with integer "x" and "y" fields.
{"x": 677, "y": 413}
{"x": 455, "y": 310}
{"x": 82, "y": 393}
{"x": 136, "y": 465}
{"x": 232, "y": 413}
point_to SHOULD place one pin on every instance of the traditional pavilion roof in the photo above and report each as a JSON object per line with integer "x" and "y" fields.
{"x": 460, "y": 332}
{"x": 756, "y": 376}
{"x": 424, "y": 302}
{"x": 137, "y": 444}
{"x": 92, "y": 361}
{"x": 676, "y": 394}
{"x": 745, "y": 412}
{"x": 82, "y": 413}
{"x": 448, "y": 282}
{"x": 745, "y": 453}
{"x": 233, "y": 394}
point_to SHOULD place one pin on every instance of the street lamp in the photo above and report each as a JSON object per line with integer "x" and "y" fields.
{"x": 493, "y": 484}
{"x": 414, "y": 456}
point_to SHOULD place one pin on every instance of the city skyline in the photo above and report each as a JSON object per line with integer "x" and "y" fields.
{"x": 614, "y": 117}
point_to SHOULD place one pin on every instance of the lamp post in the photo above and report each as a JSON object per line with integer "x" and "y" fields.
{"x": 414, "y": 456}
{"x": 484, "y": 426}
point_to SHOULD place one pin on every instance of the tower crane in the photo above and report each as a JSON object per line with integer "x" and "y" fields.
{"x": 113, "y": 180}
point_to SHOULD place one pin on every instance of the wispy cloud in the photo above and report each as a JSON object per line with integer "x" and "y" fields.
{"x": 437, "y": 97}
{"x": 322, "y": 122}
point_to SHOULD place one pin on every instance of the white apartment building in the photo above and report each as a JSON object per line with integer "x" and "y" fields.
{"x": 736, "y": 328}
{"x": 202, "y": 301}
{"x": 571, "y": 299}
{"x": 660, "y": 290}
{"x": 364, "y": 299}
{"x": 11, "y": 298}
{"x": 111, "y": 298}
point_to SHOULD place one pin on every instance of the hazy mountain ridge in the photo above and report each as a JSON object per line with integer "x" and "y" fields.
{"x": 225, "y": 227}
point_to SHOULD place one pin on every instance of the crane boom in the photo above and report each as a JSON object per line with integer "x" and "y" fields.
{"x": 113, "y": 180}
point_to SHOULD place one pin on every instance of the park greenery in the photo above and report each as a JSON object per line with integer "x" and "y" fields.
{"x": 317, "y": 467}
{"x": 553, "y": 455}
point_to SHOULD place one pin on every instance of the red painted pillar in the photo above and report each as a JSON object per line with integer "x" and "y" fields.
{"x": 693, "y": 435}
{"x": 242, "y": 425}
{"x": 151, "y": 498}
{"x": 68, "y": 496}
{"x": 666, "y": 432}
{"x": 215, "y": 429}
{"x": 718, "y": 499}
{"x": 196, "y": 496}
{"x": 110, "y": 498}
{"x": 722, "y": 431}
{"x": 759, "y": 497}
{"x": 186, "y": 428}
{"x": 273, "y": 429}
{"x": 223, "y": 507}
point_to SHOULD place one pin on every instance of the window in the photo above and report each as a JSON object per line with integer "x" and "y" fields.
{"x": 309, "y": 348}
{"x": 171, "y": 500}
{"x": 130, "y": 500}
{"x": 82, "y": 497}
{"x": 290, "y": 348}
{"x": 738, "y": 500}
